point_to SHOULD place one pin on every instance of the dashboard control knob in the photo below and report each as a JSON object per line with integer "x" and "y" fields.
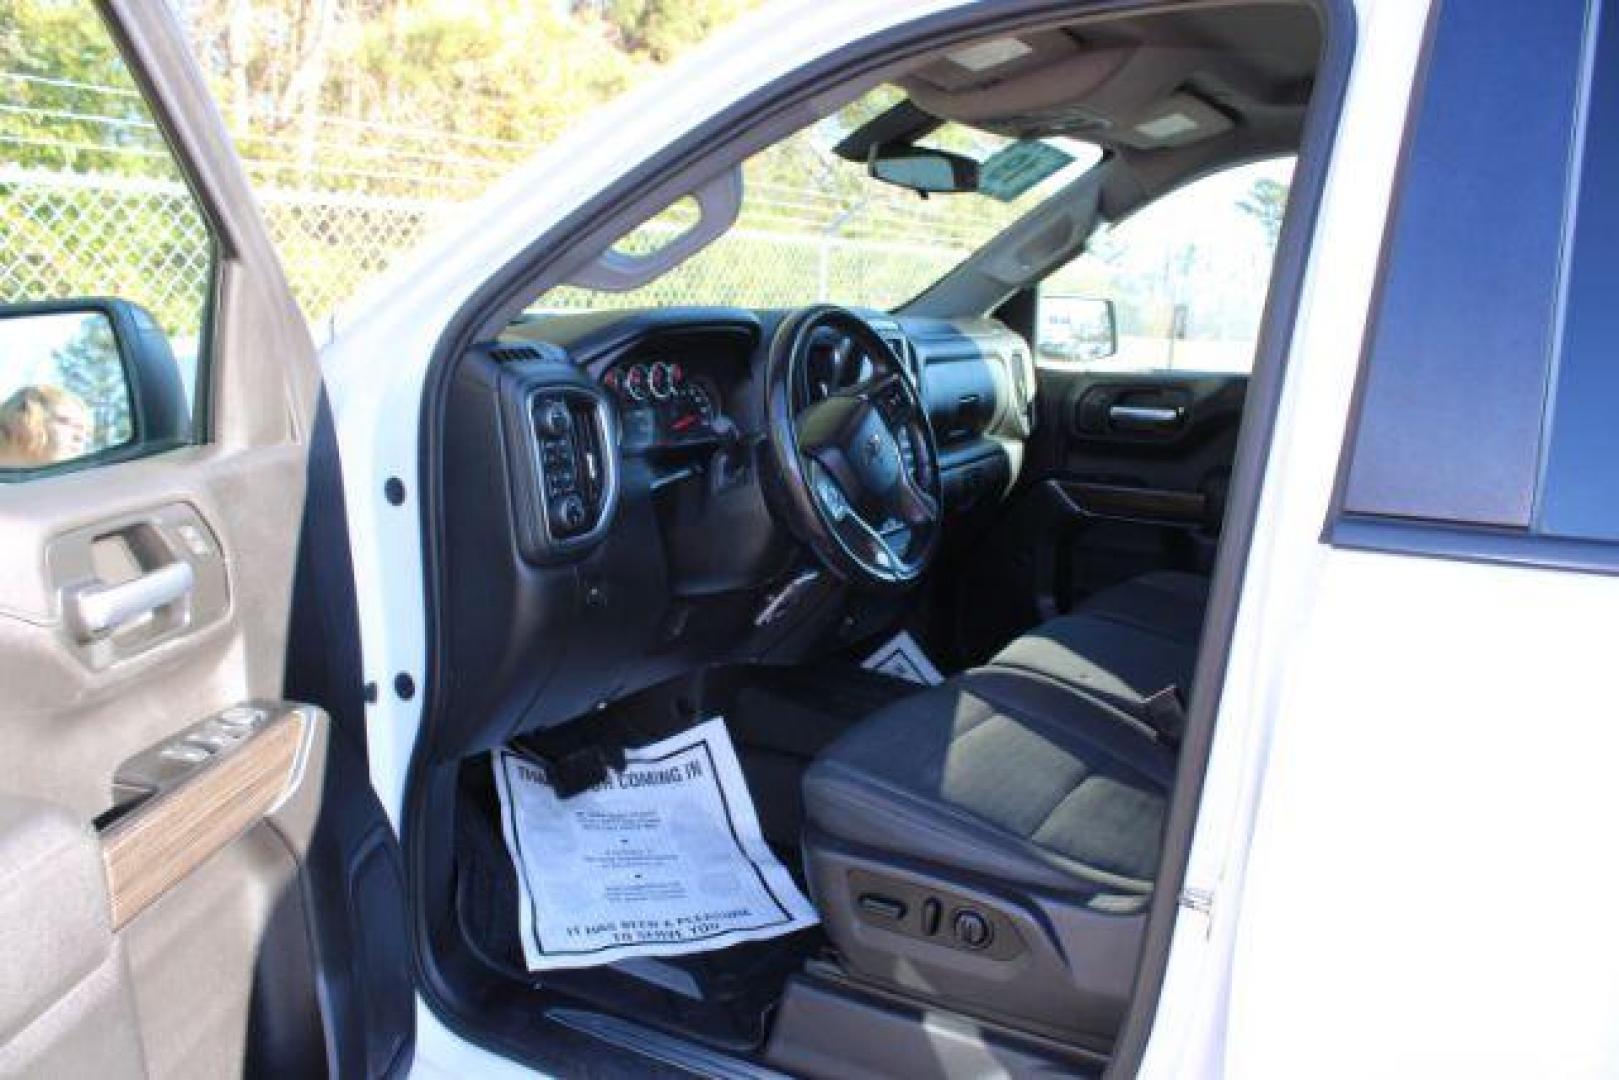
{"x": 568, "y": 513}
{"x": 552, "y": 419}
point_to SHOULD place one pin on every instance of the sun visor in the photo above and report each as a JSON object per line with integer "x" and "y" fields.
{"x": 995, "y": 94}
{"x": 1176, "y": 121}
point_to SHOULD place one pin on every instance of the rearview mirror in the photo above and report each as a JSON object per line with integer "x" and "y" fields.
{"x": 82, "y": 379}
{"x": 925, "y": 171}
{"x": 1077, "y": 328}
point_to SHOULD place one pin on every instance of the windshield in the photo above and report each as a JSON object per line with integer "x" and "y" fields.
{"x": 815, "y": 227}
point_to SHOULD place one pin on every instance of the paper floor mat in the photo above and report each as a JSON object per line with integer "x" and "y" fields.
{"x": 902, "y": 657}
{"x": 662, "y": 859}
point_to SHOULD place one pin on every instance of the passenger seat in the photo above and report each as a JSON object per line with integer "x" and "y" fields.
{"x": 1123, "y": 645}
{"x": 989, "y": 844}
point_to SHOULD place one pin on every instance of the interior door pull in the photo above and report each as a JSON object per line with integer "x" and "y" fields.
{"x": 1145, "y": 416}
{"x": 98, "y": 609}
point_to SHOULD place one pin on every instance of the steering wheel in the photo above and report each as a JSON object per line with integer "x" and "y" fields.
{"x": 851, "y": 449}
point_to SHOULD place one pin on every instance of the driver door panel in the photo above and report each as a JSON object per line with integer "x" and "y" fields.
{"x": 178, "y": 889}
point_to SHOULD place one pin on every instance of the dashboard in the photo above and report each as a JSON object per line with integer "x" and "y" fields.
{"x": 608, "y": 521}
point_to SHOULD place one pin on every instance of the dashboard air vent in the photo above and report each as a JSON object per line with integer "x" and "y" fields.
{"x": 505, "y": 353}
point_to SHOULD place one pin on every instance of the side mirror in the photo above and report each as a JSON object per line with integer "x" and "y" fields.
{"x": 1077, "y": 328}
{"x": 86, "y": 378}
{"x": 924, "y": 171}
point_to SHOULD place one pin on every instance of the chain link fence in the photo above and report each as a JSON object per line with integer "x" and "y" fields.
{"x": 66, "y": 234}
{"x": 69, "y": 234}
{"x": 72, "y": 234}
{"x": 90, "y": 205}
{"x": 765, "y": 268}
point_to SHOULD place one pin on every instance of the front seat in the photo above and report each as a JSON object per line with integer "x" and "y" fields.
{"x": 989, "y": 844}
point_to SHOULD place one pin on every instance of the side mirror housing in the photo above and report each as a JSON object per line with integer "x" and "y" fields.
{"x": 924, "y": 171}
{"x": 90, "y": 377}
{"x": 1076, "y": 327}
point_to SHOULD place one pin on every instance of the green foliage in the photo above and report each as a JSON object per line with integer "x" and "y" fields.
{"x": 73, "y": 112}
{"x": 144, "y": 241}
{"x": 52, "y": 56}
{"x": 664, "y": 28}
{"x": 329, "y": 87}
{"x": 1266, "y": 203}
{"x": 504, "y": 69}
{"x": 422, "y": 102}
{"x": 90, "y": 368}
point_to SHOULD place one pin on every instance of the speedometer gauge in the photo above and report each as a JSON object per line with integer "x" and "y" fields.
{"x": 702, "y": 401}
{"x": 694, "y": 411}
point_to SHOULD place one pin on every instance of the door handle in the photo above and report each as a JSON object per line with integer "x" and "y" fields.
{"x": 1145, "y": 417}
{"x": 98, "y": 609}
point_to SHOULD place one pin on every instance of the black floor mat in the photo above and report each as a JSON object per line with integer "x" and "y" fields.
{"x": 800, "y": 710}
{"x": 781, "y": 718}
{"x": 738, "y": 986}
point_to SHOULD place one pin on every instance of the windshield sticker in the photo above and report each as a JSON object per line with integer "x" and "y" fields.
{"x": 1010, "y": 172}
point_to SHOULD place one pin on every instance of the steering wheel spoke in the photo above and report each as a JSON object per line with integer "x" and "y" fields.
{"x": 891, "y": 395}
{"x": 913, "y": 506}
{"x": 850, "y": 524}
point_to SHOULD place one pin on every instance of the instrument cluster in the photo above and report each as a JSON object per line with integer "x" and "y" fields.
{"x": 663, "y": 405}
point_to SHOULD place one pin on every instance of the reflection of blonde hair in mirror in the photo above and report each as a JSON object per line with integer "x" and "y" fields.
{"x": 40, "y": 425}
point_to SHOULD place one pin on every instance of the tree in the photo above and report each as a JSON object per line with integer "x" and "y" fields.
{"x": 665, "y": 28}
{"x": 90, "y": 368}
{"x": 73, "y": 106}
{"x": 1266, "y": 203}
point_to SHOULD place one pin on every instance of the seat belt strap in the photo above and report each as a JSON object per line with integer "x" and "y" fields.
{"x": 1165, "y": 713}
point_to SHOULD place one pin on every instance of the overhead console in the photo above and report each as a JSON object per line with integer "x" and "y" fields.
{"x": 1109, "y": 88}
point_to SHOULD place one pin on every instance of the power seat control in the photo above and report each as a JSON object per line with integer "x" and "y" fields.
{"x": 927, "y": 913}
{"x": 885, "y": 907}
{"x": 932, "y": 912}
{"x": 972, "y": 929}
